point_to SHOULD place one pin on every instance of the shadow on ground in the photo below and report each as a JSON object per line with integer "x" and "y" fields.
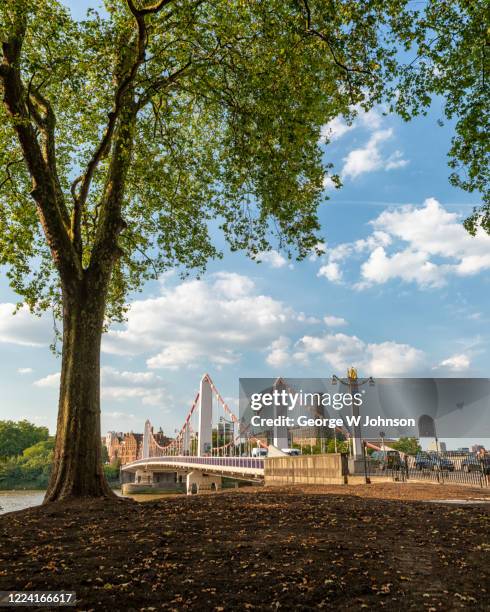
{"x": 261, "y": 549}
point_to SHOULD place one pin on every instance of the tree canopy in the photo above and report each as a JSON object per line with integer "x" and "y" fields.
{"x": 226, "y": 104}
{"x": 15, "y": 437}
{"x": 452, "y": 42}
{"x": 411, "y": 446}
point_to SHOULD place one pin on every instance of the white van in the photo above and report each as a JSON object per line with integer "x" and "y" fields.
{"x": 259, "y": 452}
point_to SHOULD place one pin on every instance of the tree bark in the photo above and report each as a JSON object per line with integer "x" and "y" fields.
{"x": 77, "y": 467}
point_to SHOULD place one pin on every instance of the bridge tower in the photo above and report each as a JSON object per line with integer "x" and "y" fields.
{"x": 186, "y": 439}
{"x": 205, "y": 417}
{"x": 280, "y": 439}
{"x": 146, "y": 440}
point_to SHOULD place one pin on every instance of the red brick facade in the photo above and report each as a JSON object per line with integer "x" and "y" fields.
{"x": 128, "y": 447}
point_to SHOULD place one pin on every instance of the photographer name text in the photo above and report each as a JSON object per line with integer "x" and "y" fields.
{"x": 332, "y": 423}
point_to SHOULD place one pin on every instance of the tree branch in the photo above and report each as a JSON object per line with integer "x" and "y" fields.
{"x": 159, "y": 84}
{"x": 147, "y": 10}
{"x": 47, "y": 125}
{"x": 119, "y": 135}
{"x": 44, "y": 180}
{"x": 313, "y": 32}
{"x": 124, "y": 85}
{"x": 105, "y": 249}
{"x": 7, "y": 171}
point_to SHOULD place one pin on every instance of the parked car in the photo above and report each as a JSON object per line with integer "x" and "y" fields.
{"x": 472, "y": 463}
{"x": 259, "y": 452}
{"x": 293, "y": 452}
{"x": 388, "y": 460}
{"x": 438, "y": 462}
{"x": 422, "y": 461}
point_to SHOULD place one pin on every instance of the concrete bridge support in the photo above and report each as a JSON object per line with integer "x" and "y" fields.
{"x": 197, "y": 482}
{"x": 181, "y": 478}
{"x": 143, "y": 477}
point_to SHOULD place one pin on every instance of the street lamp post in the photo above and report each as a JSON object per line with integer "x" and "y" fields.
{"x": 382, "y": 436}
{"x": 354, "y": 382}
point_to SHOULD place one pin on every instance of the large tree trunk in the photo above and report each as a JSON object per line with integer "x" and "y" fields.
{"x": 77, "y": 468}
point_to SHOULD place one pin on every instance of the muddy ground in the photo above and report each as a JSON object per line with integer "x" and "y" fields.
{"x": 265, "y": 549}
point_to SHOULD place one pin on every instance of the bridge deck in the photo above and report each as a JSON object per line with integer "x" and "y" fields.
{"x": 238, "y": 466}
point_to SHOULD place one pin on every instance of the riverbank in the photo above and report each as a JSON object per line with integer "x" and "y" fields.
{"x": 34, "y": 486}
{"x": 260, "y": 549}
{"x": 20, "y": 499}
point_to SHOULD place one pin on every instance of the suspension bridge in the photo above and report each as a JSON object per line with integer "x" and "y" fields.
{"x": 211, "y": 444}
{"x": 208, "y": 446}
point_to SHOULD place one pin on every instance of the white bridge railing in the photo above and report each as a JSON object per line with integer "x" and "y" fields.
{"x": 231, "y": 462}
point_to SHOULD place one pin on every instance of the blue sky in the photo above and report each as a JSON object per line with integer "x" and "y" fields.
{"x": 401, "y": 290}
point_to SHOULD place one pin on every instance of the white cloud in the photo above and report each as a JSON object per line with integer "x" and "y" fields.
{"x": 182, "y": 354}
{"x": 335, "y": 129}
{"x": 370, "y": 158}
{"x": 407, "y": 265}
{"x": 199, "y": 321}
{"x": 117, "y": 420}
{"x": 423, "y": 244}
{"x": 430, "y": 232}
{"x": 119, "y": 385}
{"x": 384, "y": 359}
{"x": 328, "y": 182}
{"x": 24, "y": 328}
{"x": 456, "y": 363}
{"x": 232, "y": 285}
{"x": 331, "y": 271}
{"x": 332, "y": 321}
{"x": 393, "y": 359}
{"x": 279, "y": 354}
{"x": 25, "y": 371}
{"x": 147, "y": 397}
{"x": 52, "y": 381}
{"x": 125, "y": 385}
{"x": 395, "y": 160}
{"x": 371, "y": 120}
{"x": 341, "y": 351}
{"x": 110, "y": 376}
{"x": 273, "y": 258}
{"x": 119, "y": 415}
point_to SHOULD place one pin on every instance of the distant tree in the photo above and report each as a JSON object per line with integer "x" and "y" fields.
{"x": 112, "y": 472}
{"x": 411, "y": 446}
{"x": 105, "y": 454}
{"x": 116, "y": 463}
{"x": 17, "y": 436}
{"x": 342, "y": 446}
{"x": 43, "y": 449}
{"x": 31, "y": 469}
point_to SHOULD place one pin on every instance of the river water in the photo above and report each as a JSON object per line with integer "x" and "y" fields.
{"x": 19, "y": 500}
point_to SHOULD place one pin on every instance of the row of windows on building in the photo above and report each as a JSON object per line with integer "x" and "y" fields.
{"x": 127, "y": 447}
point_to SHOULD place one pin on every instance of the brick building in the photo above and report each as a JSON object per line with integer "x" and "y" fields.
{"x": 128, "y": 447}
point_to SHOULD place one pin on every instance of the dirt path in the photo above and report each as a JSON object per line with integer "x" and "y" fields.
{"x": 262, "y": 549}
{"x": 394, "y": 490}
